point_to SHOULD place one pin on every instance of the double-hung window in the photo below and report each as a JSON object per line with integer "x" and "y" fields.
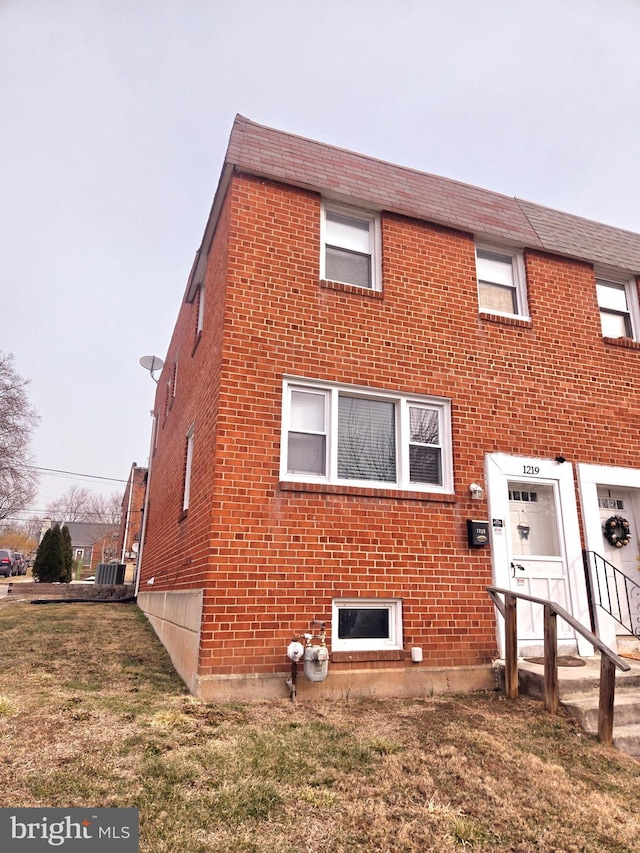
{"x": 366, "y": 624}
{"x": 339, "y": 434}
{"x": 618, "y": 308}
{"x": 186, "y": 492}
{"x": 350, "y": 247}
{"x": 501, "y": 282}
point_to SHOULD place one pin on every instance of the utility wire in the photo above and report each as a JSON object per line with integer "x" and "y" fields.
{"x": 75, "y": 474}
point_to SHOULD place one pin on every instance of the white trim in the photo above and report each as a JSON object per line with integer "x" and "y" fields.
{"x": 375, "y": 240}
{"x": 500, "y": 468}
{"x": 589, "y": 478}
{"x": 201, "y": 296}
{"x": 631, "y": 293}
{"x": 402, "y": 403}
{"x": 394, "y": 640}
{"x": 188, "y": 468}
{"x": 519, "y": 279}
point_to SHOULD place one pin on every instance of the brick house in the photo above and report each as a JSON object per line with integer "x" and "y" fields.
{"x": 132, "y": 507}
{"x": 366, "y": 358}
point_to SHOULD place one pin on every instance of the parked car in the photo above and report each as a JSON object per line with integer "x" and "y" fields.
{"x": 20, "y": 565}
{"x": 7, "y": 562}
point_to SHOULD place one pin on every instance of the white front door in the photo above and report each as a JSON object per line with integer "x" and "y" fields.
{"x": 623, "y": 598}
{"x": 536, "y": 543}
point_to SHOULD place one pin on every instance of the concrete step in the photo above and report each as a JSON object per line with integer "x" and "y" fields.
{"x": 627, "y": 739}
{"x": 583, "y": 707}
{"x": 626, "y": 717}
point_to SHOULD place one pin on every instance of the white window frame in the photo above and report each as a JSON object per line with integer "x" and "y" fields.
{"x": 369, "y": 644}
{"x": 373, "y": 220}
{"x": 402, "y": 402}
{"x": 200, "y": 323}
{"x": 186, "y": 494}
{"x": 519, "y": 280}
{"x": 631, "y": 294}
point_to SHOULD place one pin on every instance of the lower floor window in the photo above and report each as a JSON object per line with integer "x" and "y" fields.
{"x": 366, "y": 624}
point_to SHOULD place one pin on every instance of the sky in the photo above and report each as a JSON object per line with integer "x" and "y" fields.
{"x": 115, "y": 117}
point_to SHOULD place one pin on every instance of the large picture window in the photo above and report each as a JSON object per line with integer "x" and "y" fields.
{"x": 341, "y": 434}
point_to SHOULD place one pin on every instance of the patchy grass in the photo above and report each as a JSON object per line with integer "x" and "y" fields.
{"x": 92, "y": 714}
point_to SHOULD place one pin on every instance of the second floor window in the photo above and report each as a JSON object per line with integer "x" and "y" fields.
{"x": 350, "y": 242}
{"x": 501, "y": 286}
{"x": 614, "y": 300}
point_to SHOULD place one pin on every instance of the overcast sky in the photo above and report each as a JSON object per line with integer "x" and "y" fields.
{"x": 115, "y": 116}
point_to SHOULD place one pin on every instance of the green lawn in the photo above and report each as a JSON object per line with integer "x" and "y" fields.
{"x": 92, "y": 714}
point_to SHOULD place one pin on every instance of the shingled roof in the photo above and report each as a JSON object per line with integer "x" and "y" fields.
{"x": 269, "y": 153}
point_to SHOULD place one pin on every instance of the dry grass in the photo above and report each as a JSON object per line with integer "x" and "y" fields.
{"x": 91, "y": 713}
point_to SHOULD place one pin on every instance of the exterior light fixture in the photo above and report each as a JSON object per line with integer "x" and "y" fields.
{"x": 477, "y": 492}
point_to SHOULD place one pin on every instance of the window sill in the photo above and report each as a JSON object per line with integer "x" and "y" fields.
{"x": 351, "y": 288}
{"x": 182, "y": 515}
{"x": 362, "y": 657}
{"x": 196, "y": 342}
{"x": 626, "y": 343}
{"x": 363, "y": 491}
{"x": 522, "y": 322}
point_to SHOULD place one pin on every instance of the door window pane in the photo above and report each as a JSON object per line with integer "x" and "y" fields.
{"x": 534, "y": 524}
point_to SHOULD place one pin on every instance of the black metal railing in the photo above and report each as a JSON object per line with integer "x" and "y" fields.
{"x": 613, "y": 591}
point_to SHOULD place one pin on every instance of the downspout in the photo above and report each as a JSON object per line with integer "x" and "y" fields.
{"x": 154, "y": 426}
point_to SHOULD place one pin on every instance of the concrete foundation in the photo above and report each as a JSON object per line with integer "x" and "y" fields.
{"x": 175, "y": 617}
{"x": 401, "y": 683}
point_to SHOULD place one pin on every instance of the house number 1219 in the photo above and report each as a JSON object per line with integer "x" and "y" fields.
{"x": 530, "y": 469}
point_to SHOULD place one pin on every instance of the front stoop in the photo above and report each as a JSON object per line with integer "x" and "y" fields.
{"x": 579, "y": 696}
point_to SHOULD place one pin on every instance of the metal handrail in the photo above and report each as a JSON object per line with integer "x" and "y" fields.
{"x": 609, "y": 660}
{"x": 612, "y": 604}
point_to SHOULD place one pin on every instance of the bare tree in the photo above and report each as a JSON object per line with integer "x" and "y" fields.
{"x": 73, "y": 505}
{"x": 106, "y": 508}
{"x": 18, "y": 480}
{"x": 79, "y": 504}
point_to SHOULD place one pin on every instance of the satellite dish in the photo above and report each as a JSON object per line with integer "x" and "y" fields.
{"x": 152, "y": 363}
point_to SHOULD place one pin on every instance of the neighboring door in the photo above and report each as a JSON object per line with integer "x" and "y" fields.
{"x": 624, "y": 598}
{"x": 536, "y": 543}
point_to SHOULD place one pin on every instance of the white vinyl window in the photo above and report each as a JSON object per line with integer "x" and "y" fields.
{"x": 366, "y": 624}
{"x": 344, "y": 435}
{"x": 618, "y": 305}
{"x": 187, "y": 468}
{"x": 501, "y": 282}
{"x": 200, "y": 310}
{"x": 350, "y": 247}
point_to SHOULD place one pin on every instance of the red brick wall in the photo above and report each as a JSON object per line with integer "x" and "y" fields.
{"x": 273, "y": 558}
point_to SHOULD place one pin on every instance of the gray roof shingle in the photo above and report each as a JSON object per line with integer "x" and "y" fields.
{"x": 280, "y": 156}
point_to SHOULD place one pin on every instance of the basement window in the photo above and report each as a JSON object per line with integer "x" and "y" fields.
{"x": 366, "y": 624}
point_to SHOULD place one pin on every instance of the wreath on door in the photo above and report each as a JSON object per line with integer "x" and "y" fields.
{"x": 616, "y": 531}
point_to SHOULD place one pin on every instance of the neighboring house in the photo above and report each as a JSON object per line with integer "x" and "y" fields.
{"x": 131, "y": 519}
{"x": 92, "y": 543}
{"x": 366, "y": 358}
